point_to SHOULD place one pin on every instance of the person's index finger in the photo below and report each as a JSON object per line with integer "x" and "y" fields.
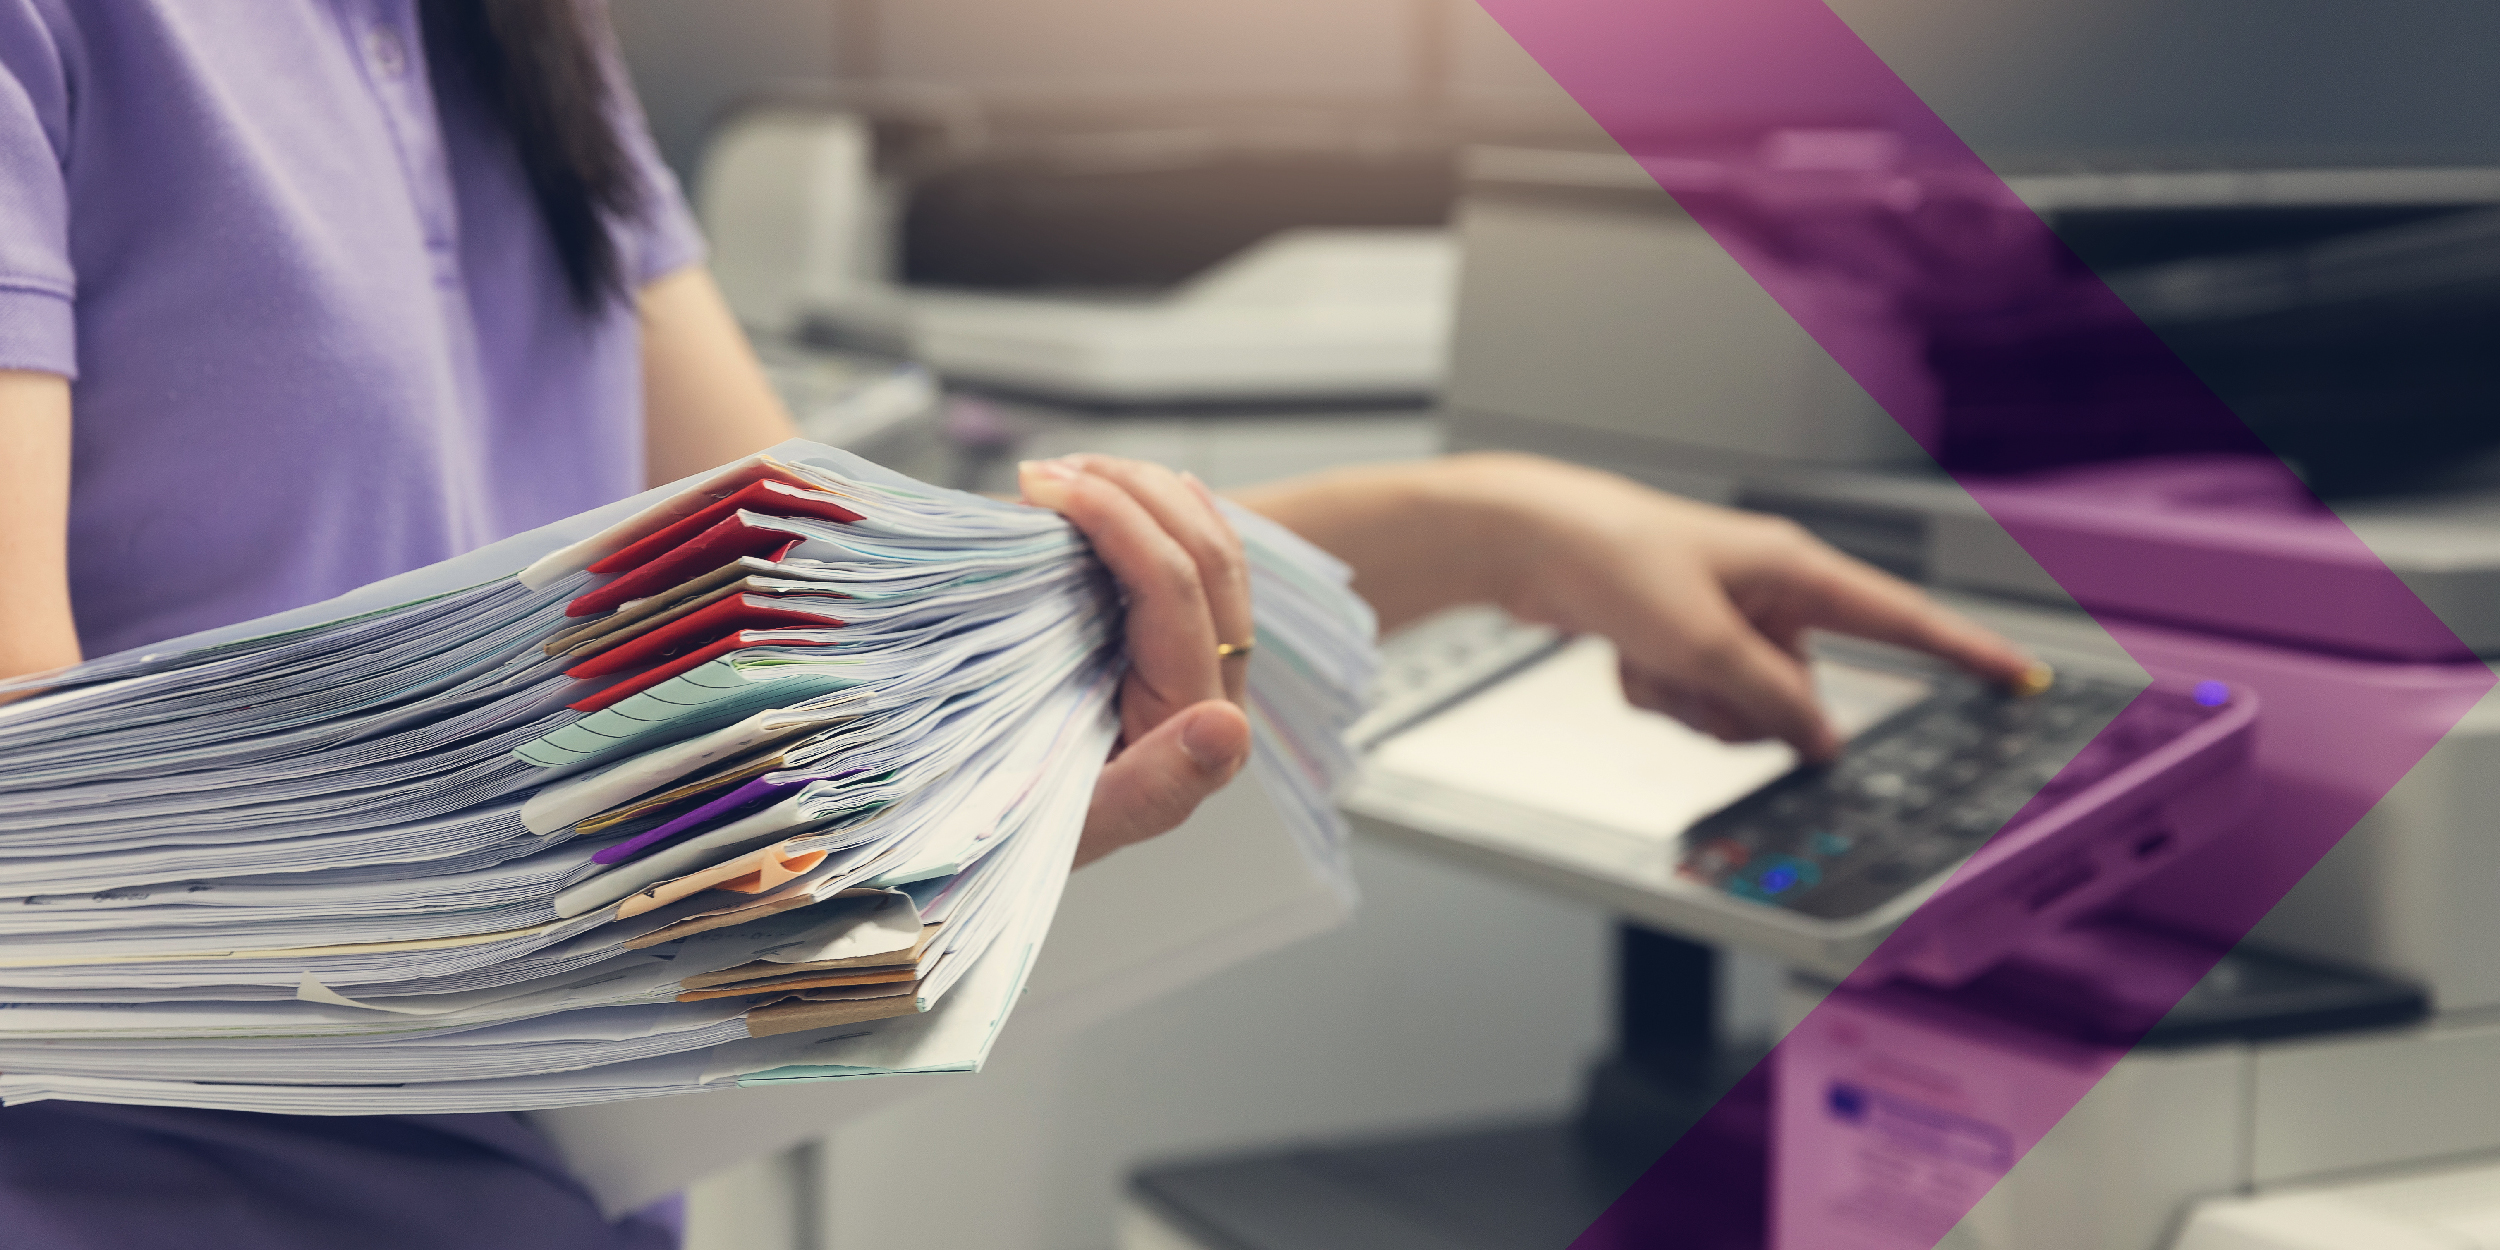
{"x": 1786, "y": 708}
{"x": 1866, "y": 603}
{"x": 1773, "y": 693}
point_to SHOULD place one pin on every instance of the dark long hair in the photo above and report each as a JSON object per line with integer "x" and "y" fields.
{"x": 539, "y": 70}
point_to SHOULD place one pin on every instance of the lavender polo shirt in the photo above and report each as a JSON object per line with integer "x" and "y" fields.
{"x": 318, "y": 332}
{"x": 319, "y": 336}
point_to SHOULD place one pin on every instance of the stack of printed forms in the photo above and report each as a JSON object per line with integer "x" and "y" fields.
{"x": 773, "y": 778}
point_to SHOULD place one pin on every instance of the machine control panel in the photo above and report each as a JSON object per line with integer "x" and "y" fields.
{"x": 1961, "y": 820}
{"x": 1921, "y": 791}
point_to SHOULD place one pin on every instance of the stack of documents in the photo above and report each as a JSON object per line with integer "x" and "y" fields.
{"x": 773, "y": 775}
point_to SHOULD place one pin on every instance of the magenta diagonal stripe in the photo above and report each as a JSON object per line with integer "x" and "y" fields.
{"x": 2337, "y": 732}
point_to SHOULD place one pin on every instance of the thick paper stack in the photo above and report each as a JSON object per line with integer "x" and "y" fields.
{"x": 773, "y": 775}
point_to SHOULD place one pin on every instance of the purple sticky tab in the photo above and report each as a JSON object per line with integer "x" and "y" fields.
{"x": 748, "y": 795}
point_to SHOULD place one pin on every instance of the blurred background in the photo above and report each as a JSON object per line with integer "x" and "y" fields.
{"x": 965, "y": 232}
{"x": 2405, "y": 81}
{"x": 870, "y": 171}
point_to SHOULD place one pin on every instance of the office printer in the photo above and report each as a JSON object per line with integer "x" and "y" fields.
{"x": 2356, "y": 1031}
{"x": 1110, "y": 268}
{"x": 2337, "y": 307}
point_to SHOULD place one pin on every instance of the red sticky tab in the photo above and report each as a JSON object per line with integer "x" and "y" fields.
{"x": 698, "y": 629}
{"x": 632, "y": 686}
{"x": 770, "y": 496}
{"x": 733, "y": 537}
{"x": 650, "y": 521}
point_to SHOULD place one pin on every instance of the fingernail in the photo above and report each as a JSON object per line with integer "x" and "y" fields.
{"x": 2035, "y": 680}
{"x": 1198, "y": 486}
{"x": 1046, "y": 482}
{"x": 1201, "y": 740}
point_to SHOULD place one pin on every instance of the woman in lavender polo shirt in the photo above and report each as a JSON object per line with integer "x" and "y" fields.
{"x": 299, "y": 294}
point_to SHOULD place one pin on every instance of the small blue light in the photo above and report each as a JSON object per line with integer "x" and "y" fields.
{"x": 2212, "y": 694}
{"x": 1847, "y": 1102}
{"x": 1779, "y": 879}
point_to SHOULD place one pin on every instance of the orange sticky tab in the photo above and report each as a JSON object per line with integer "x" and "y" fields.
{"x": 774, "y": 865}
{"x": 772, "y": 875}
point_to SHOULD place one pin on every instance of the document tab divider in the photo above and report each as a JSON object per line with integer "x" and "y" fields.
{"x": 731, "y": 645}
{"x": 740, "y": 533}
{"x": 621, "y": 525}
{"x": 770, "y": 496}
{"x": 700, "y": 629}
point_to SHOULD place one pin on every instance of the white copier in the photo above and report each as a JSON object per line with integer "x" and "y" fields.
{"x": 2335, "y": 1083}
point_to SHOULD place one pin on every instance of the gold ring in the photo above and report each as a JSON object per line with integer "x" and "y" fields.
{"x": 1227, "y": 650}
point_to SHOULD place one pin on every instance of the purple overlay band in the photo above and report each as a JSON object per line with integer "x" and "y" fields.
{"x": 2192, "y": 544}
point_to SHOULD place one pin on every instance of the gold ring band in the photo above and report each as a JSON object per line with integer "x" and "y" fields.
{"x": 1227, "y": 650}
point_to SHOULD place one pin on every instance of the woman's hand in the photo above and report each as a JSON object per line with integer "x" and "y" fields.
{"x": 1708, "y": 607}
{"x": 1182, "y": 731}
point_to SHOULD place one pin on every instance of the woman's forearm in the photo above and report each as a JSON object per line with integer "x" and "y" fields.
{"x": 705, "y": 399}
{"x": 1418, "y": 536}
{"x": 1708, "y": 608}
{"x": 37, "y": 633}
{"x": 1461, "y": 528}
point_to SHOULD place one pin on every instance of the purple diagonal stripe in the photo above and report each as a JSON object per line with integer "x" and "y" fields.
{"x": 2337, "y": 733}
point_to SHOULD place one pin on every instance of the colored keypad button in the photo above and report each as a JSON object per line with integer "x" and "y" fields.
{"x": 1782, "y": 873}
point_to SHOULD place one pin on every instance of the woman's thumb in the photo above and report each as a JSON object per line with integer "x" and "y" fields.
{"x": 1155, "y": 784}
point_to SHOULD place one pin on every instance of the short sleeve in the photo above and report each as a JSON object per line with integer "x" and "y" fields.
{"x": 38, "y": 325}
{"x": 666, "y": 238}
